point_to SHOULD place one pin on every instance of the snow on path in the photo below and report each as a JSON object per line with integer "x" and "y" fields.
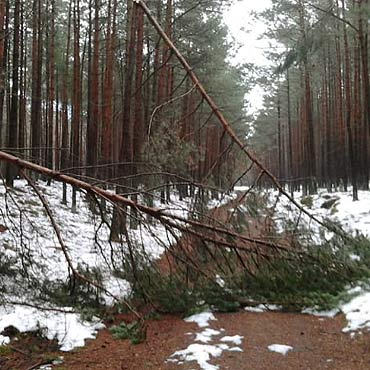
{"x": 280, "y": 348}
{"x": 236, "y": 339}
{"x": 202, "y": 319}
{"x": 203, "y": 353}
{"x": 263, "y": 308}
{"x": 357, "y": 313}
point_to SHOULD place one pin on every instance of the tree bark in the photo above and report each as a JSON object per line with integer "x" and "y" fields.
{"x": 11, "y": 171}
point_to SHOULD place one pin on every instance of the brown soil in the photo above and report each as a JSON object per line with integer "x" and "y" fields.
{"x": 318, "y": 344}
{"x": 26, "y": 350}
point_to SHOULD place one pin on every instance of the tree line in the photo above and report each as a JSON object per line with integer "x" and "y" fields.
{"x": 316, "y": 119}
{"x": 89, "y": 88}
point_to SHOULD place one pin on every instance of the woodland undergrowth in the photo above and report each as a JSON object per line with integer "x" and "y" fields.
{"x": 306, "y": 273}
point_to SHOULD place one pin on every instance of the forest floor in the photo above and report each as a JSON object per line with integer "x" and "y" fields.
{"x": 317, "y": 343}
{"x": 232, "y": 341}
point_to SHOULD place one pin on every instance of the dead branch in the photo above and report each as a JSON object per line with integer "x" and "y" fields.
{"x": 75, "y": 273}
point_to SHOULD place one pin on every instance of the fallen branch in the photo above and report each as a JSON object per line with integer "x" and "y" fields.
{"x": 75, "y": 273}
{"x": 226, "y": 125}
{"x": 159, "y": 214}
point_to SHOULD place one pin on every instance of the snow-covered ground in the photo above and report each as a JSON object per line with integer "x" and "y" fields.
{"x": 31, "y": 236}
{"x": 67, "y": 328}
{"x": 354, "y": 217}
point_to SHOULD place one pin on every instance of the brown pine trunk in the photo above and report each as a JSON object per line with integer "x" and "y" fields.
{"x": 4, "y": 22}
{"x": 138, "y": 127}
{"x": 107, "y": 111}
{"x": 51, "y": 98}
{"x": 23, "y": 85}
{"x": 76, "y": 95}
{"x": 307, "y": 110}
{"x": 126, "y": 151}
{"x": 290, "y": 145}
{"x": 76, "y": 103}
{"x": 356, "y": 114}
{"x": 348, "y": 110}
{"x": 65, "y": 153}
{"x": 94, "y": 111}
{"x": 11, "y": 171}
{"x": 279, "y": 139}
{"x": 341, "y": 152}
{"x": 327, "y": 130}
{"x": 363, "y": 41}
{"x": 57, "y": 144}
{"x": 36, "y": 117}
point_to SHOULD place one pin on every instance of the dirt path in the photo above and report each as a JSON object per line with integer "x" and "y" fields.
{"x": 318, "y": 343}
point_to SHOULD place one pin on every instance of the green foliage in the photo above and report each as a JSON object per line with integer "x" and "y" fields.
{"x": 329, "y": 203}
{"x": 168, "y": 293}
{"x": 317, "y": 277}
{"x": 289, "y": 60}
{"x": 5, "y": 350}
{"x": 76, "y": 293}
{"x": 307, "y": 201}
{"x": 49, "y": 357}
{"x": 135, "y": 331}
{"x": 183, "y": 294}
{"x": 153, "y": 315}
{"x": 254, "y": 206}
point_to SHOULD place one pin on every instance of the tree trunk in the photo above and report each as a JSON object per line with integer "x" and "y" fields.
{"x": 4, "y": 25}
{"x": 36, "y": 118}
{"x": 93, "y": 119}
{"x": 76, "y": 95}
{"x": 11, "y": 171}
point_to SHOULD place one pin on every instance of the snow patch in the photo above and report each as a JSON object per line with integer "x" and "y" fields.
{"x": 206, "y": 335}
{"x": 236, "y": 339}
{"x": 67, "y": 328}
{"x": 330, "y": 314}
{"x": 203, "y": 353}
{"x": 4, "y": 340}
{"x": 280, "y": 348}
{"x": 87, "y": 241}
{"x": 202, "y": 319}
{"x": 357, "y": 313}
{"x": 257, "y": 309}
{"x": 263, "y": 308}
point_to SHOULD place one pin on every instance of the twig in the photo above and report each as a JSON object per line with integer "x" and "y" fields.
{"x": 18, "y": 350}
{"x": 159, "y": 107}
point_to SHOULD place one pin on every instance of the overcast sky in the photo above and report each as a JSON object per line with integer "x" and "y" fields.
{"x": 247, "y": 32}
